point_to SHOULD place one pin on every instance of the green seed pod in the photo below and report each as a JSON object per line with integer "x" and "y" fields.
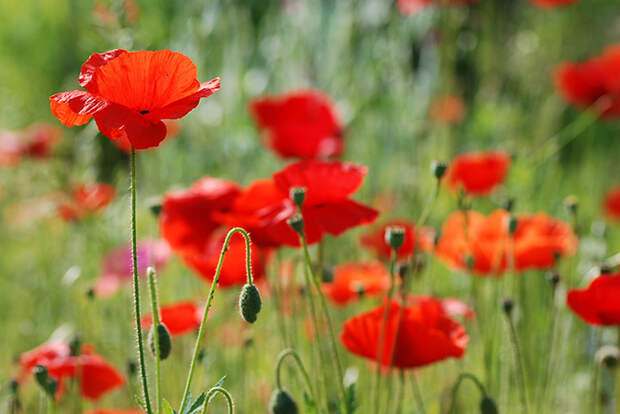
{"x": 395, "y": 236}
{"x": 282, "y": 403}
{"x": 487, "y": 406}
{"x": 165, "y": 341}
{"x": 250, "y": 303}
{"x": 298, "y": 195}
{"x": 296, "y": 222}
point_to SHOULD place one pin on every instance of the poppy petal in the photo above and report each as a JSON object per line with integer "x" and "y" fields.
{"x": 180, "y": 108}
{"x": 141, "y": 132}
{"x": 76, "y": 107}
{"x": 336, "y": 218}
{"x": 95, "y": 61}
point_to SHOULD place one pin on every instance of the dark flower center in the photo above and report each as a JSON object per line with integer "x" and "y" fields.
{"x": 144, "y": 112}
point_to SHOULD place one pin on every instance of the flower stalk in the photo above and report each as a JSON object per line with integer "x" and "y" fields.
{"x": 150, "y": 272}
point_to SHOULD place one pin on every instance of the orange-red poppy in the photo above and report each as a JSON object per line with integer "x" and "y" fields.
{"x": 129, "y": 93}
{"x": 536, "y": 244}
{"x": 449, "y": 109}
{"x": 478, "y": 173}
{"x": 180, "y": 318}
{"x": 40, "y": 139}
{"x": 612, "y": 203}
{"x": 354, "y": 280}
{"x": 426, "y": 335}
{"x": 597, "y": 304}
{"x": 593, "y": 83}
{"x": 414, "y": 240}
{"x": 302, "y": 124}
{"x": 86, "y": 198}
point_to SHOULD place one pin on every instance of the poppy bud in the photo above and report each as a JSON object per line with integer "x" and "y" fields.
{"x": 509, "y": 204}
{"x": 395, "y": 236}
{"x": 554, "y": 278}
{"x": 164, "y": 339}
{"x": 13, "y": 386}
{"x": 132, "y": 368}
{"x": 487, "y": 405}
{"x": 327, "y": 274}
{"x": 282, "y": 403}
{"x": 572, "y": 204}
{"x": 75, "y": 345}
{"x": 90, "y": 293}
{"x": 296, "y": 222}
{"x": 403, "y": 269}
{"x": 608, "y": 355}
{"x": 155, "y": 206}
{"x": 513, "y": 222}
{"x": 47, "y": 383}
{"x": 250, "y": 303}
{"x": 298, "y": 195}
{"x": 508, "y": 304}
{"x": 439, "y": 169}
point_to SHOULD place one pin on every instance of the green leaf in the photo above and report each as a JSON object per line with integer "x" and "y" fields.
{"x": 198, "y": 404}
{"x": 168, "y": 408}
{"x": 350, "y": 403}
{"x": 217, "y": 384}
{"x": 140, "y": 403}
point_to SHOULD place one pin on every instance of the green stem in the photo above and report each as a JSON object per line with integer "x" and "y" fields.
{"x": 136, "y": 284}
{"x": 291, "y": 352}
{"x": 203, "y": 323}
{"x": 401, "y": 392}
{"x": 382, "y": 332}
{"x": 618, "y": 378}
{"x": 520, "y": 365}
{"x": 325, "y": 310}
{"x": 455, "y": 389}
{"x": 225, "y": 393}
{"x": 418, "y": 394}
{"x": 155, "y": 327}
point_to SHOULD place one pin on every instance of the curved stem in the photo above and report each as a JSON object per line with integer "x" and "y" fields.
{"x": 225, "y": 393}
{"x": 455, "y": 389}
{"x": 216, "y": 278}
{"x": 291, "y": 352}
{"x": 155, "y": 310}
{"x": 325, "y": 310}
{"x": 382, "y": 332}
{"x": 136, "y": 284}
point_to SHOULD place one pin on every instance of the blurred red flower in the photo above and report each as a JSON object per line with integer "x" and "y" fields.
{"x": 180, "y": 318}
{"x": 302, "y": 124}
{"x": 87, "y": 198}
{"x": 456, "y": 307}
{"x": 186, "y": 221}
{"x": 478, "y": 173}
{"x": 594, "y": 82}
{"x": 552, "y": 3}
{"x": 234, "y": 267}
{"x": 536, "y": 242}
{"x": 40, "y": 139}
{"x": 129, "y": 93}
{"x": 411, "y": 7}
{"x": 414, "y": 239}
{"x": 327, "y": 207}
{"x": 612, "y": 203}
{"x": 11, "y": 148}
{"x": 597, "y": 304}
{"x": 449, "y": 109}
{"x": 426, "y": 335}
{"x": 116, "y": 267}
{"x": 355, "y": 280}
{"x": 97, "y": 377}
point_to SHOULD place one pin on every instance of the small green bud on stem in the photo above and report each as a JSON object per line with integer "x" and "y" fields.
{"x": 250, "y": 303}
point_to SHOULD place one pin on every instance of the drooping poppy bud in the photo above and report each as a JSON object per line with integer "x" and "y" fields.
{"x": 439, "y": 169}
{"x": 250, "y": 303}
{"x": 296, "y": 222}
{"x": 47, "y": 383}
{"x": 165, "y": 341}
{"x": 282, "y": 403}
{"x": 395, "y": 236}
{"x": 298, "y": 195}
{"x": 488, "y": 406}
{"x": 508, "y": 305}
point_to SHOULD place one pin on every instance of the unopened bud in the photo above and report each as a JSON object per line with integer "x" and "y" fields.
{"x": 395, "y": 236}
{"x": 508, "y": 305}
{"x": 201, "y": 355}
{"x": 403, "y": 270}
{"x": 282, "y": 403}
{"x": 439, "y": 169}
{"x": 572, "y": 204}
{"x": 554, "y": 278}
{"x": 608, "y": 355}
{"x": 513, "y": 223}
{"x": 47, "y": 383}
{"x": 14, "y": 386}
{"x": 488, "y": 406}
{"x": 74, "y": 345}
{"x": 155, "y": 206}
{"x": 327, "y": 274}
{"x": 509, "y": 204}
{"x": 164, "y": 341}
{"x": 297, "y": 223}
{"x": 250, "y": 303}
{"x": 90, "y": 293}
{"x": 132, "y": 368}
{"x": 298, "y": 195}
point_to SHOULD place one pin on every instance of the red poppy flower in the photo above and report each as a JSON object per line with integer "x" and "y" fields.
{"x": 129, "y": 93}
{"x": 536, "y": 242}
{"x": 234, "y": 267}
{"x": 427, "y": 335}
{"x": 411, "y": 7}
{"x": 552, "y": 3}
{"x": 593, "y": 82}
{"x": 448, "y": 109}
{"x": 353, "y": 280}
{"x": 327, "y": 208}
{"x": 186, "y": 220}
{"x": 597, "y": 304}
{"x": 612, "y": 203}
{"x": 112, "y": 411}
{"x": 456, "y": 307}
{"x": 40, "y": 140}
{"x": 42, "y": 355}
{"x": 375, "y": 240}
{"x": 11, "y": 149}
{"x": 87, "y": 198}
{"x": 478, "y": 173}
{"x": 301, "y": 124}
{"x": 180, "y": 318}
